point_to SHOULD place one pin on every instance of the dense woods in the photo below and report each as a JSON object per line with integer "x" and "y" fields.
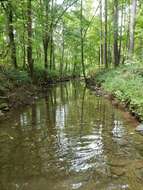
{"x": 70, "y": 37}
{"x": 53, "y": 40}
{"x": 71, "y": 94}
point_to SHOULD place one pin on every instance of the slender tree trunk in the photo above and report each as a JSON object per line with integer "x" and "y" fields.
{"x": 74, "y": 66}
{"x": 109, "y": 46}
{"x": 66, "y": 65}
{"x": 101, "y": 34}
{"x": 82, "y": 40}
{"x": 51, "y": 36}
{"x": 29, "y": 31}
{"x": 51, "y": 49}
{"x": 63, "y": 51}
{"x": 116, "y": 50}
{"x": 45, "y": 45}
{"x": 132, "y": 26}
{"x": 46, "y": 35}
{"x": 24, "y": 56}
{"x": 24, "y": 42}
{"x": 53, "y": 57}
{"x": 121, "y": 33}
{"x": 12, "y": 44}
{"x": 105, "y": 36}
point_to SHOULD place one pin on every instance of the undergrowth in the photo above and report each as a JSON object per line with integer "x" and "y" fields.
{"x": 10, "y": 78}
{"x": 125, "y": 83}
{"x": 13, "y": 78}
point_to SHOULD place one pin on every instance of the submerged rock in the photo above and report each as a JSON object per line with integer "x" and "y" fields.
{"x": 118, "y": 171}
{"x": 139, "y": 128}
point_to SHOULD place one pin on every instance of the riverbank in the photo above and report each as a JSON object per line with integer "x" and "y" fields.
{"x": 17, "y": 89}
{"x": 123, "y": 85}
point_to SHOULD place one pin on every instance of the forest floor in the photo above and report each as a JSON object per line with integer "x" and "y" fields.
{"x": 123, "y": 86}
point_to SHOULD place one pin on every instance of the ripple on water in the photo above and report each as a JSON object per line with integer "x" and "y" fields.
{"x": 69, "y": 140}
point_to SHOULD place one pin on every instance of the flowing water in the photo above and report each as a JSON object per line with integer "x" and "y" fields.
{"x": 70, "y": 139}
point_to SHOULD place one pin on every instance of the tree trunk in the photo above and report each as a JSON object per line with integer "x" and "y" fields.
{"x": 101, "y": 34}
{"x": 29, "y": 31}
{"x": 121, "y": 33}
{"x": 63, "y": 52}
{"x": 45, "y": 45}
{"x": 9, "y": 13}
{"x": 51, "y": 49}
{"x": 51, "y": 35}
{"x": 116, "y": 50}
{"x": 46, "y": 35}
{"x": 82, "y": 40}
{"x": 109, "y": 46}
{"x": 105, "y": 37}
{"x": 132, "y": 26}
{"x": 24, "y": 55}
{"x": 74, "y": 66}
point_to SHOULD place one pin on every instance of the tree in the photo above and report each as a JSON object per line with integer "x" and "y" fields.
{"x": 105, "y": 34}
{"x": 9, "y": 15}
{"x": 132, "y": 26}
{"x": 116, "y": 50}
{"x": 46, "y": 36}
{"x": 82, "y": 40}
{"x": 29, "y": 32}
{"x": 101, "y": 33}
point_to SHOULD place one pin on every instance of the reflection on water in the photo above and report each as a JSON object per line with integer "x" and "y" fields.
{"x": 70, "y": 139}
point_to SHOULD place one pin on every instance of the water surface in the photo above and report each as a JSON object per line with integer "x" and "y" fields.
{"x": 70, "y": 139}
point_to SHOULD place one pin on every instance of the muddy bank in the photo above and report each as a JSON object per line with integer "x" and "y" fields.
{"x": 25, "y": 95}
{"x": 16, "y": 98}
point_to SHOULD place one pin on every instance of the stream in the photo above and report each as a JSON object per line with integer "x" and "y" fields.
{"x": 70, "y": 139}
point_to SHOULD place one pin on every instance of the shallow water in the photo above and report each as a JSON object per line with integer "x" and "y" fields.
{"x": 70, "y": 139}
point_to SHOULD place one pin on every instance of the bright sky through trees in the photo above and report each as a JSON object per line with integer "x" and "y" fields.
{"x": 96, "y": 3}
{"x": 54, "y": 33}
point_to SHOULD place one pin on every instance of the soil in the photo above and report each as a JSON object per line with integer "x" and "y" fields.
{"x": 18, "y": 97}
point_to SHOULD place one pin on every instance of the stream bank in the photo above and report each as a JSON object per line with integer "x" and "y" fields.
{"x": 16, "y": 98}
{"x": 18, "y": 90}
{"x": 123, "y": 86}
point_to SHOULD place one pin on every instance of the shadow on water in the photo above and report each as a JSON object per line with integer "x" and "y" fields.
{"x": 70, "y": 139}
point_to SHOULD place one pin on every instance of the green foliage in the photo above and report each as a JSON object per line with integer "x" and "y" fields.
{"x": 19, "y": 77}
{"x": 10, "y": 78}
{"x": 41, "y": 75}
{"x": 125, "y": 83}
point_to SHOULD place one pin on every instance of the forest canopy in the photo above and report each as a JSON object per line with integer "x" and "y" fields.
{"x": 69, "y": 37}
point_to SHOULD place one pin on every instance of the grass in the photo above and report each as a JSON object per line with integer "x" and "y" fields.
{"x": 126, "y": 84}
